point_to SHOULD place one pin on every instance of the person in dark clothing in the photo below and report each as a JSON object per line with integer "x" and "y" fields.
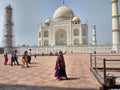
{"x": 14, "y": 58}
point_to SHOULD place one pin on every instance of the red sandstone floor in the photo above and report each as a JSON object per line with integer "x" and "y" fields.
{"x": 40, "y": 75}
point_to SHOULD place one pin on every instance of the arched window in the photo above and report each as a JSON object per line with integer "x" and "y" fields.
{"x": 39, "y": 34}
{"x": 45, "y": 33}
{"x": 84, "y": 41}
{"x": 39, "y": 43}
{"x": 46, "y": 42}
{"x": 84, "y": 32}
{"x": 76, "y": 41}
{"x": 76, "y": 32}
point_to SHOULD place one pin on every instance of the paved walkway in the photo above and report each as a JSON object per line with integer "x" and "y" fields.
{"x": 40, "y": 75}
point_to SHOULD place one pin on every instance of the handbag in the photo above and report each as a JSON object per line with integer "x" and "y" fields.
{"x": 110, "y": 80}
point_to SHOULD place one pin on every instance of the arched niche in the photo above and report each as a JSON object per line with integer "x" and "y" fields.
{"x": 60, "y": 37}
{"x": 76, "y": 41}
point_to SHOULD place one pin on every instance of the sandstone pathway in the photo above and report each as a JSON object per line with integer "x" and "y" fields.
{"x": 40, "y": 75}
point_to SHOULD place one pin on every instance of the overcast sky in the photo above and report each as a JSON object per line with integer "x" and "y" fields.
{"x": 28, "y": 14}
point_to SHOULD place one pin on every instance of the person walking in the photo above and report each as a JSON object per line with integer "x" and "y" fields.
{"x": 14, "y": 58}
{"x": 5, "y": 58}
{"x": 25, "y": 59}
{"x": 29, "y": 56}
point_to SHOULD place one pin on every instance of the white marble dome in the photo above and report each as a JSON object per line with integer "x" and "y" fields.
{"x": 63, "y": 13}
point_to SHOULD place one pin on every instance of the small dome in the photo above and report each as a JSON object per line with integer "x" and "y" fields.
{"x": 47, "y": 21}
{"x": 76, "y": 19}
{"x": 63, "y": 13}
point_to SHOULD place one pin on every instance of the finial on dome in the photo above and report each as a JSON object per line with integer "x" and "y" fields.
{"x": 63, "y": 2}
{"x": 86, "y": 21}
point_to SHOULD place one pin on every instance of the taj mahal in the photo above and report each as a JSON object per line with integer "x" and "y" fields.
{"x": 67, "y": 32}
{"x": 64, "y": 29}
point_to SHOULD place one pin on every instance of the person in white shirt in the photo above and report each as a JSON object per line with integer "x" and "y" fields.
{"x": 29, "y": 56}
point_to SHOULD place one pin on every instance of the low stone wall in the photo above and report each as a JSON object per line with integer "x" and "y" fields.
{"x": 67, "y": 49}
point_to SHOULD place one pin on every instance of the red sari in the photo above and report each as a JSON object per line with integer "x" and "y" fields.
{"x": 62, "y": 70}
{"x": 5, "y": 59}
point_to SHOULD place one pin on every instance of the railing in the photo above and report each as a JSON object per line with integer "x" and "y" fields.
{"x": 103, "y": 63}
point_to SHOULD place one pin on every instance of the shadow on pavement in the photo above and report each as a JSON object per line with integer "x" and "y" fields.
{"x": 73, "y": 78}
{"x": 24, "y": 87}
{"x": 69, "y": 79}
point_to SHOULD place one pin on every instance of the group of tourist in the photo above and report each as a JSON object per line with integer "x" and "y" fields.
{"x": 26, "y": 58}
{"x": 60, "y": 71}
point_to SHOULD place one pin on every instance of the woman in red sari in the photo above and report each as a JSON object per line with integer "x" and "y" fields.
{"x": 5, "y": 59}
{"x": 61, "y": 66}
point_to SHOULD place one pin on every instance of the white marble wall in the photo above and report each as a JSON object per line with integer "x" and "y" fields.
{"x": 67, "y": 49}
{"x": 68, "y": 27}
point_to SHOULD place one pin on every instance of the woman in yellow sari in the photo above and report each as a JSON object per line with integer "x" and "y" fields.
{"x": 25, "y": 59}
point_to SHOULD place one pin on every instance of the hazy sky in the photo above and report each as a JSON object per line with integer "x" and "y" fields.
{"x": 28, "y": 14}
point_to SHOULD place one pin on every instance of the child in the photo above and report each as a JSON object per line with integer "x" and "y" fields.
{"x": 57, "y": 69}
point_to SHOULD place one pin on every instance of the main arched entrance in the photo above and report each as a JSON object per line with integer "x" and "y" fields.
{"x": 60, "y": 37}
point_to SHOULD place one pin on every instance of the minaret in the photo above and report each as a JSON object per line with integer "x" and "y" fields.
{"x": 94, "y": 35}
{"x": 8, "y": 42}
{"x": 115, "y": 25}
